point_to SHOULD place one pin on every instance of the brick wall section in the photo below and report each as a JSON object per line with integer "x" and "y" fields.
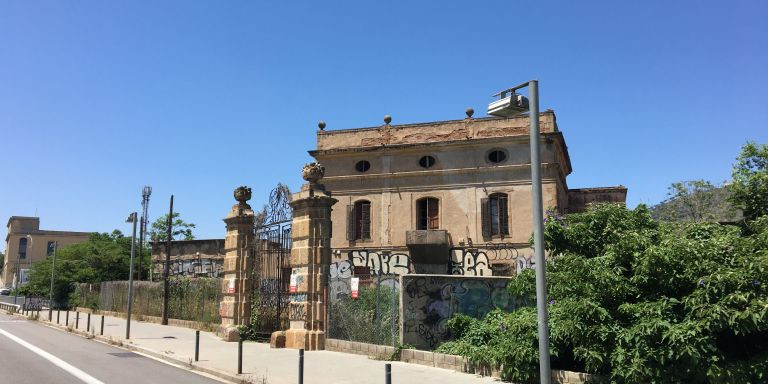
{"x": 355, "y": 348}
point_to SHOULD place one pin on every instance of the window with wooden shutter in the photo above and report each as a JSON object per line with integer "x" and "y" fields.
{"x": 350, "y": 222}
{"x": 362, "y": 220}
{"x": 485, "y": 217}
{"x": 498, "y": 215}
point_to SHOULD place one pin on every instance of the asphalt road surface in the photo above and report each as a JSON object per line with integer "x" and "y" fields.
{"x": 35, "y": 354}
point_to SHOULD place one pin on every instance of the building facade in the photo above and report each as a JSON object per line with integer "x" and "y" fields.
{"x": 445, "y": 197}
{"x": 26, "y": 244}
{"x": 203, "y": 258}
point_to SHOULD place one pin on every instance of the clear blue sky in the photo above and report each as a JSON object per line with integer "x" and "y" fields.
{"x": 98, "y": 98}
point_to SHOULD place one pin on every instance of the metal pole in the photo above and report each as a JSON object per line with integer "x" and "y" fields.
{"x": 132, "y": 218}
{"x": 77, "y": 319}
{"x": 58, "y": 315}
{"x": 102, "y": 325}
{"x": 388, "y": 373}
{"x": 88, "y": 323}
{"x": 301, "y": 366}
{"x": 240, "y": 356}
{"x": 18, "y": 277}
{"x": 141, "y": 245}
{"x": 66, "y": 320}
{"x": 197, "y": 345}
{"x": 167, "y": 265}
{"x": 53, "y": 274}
{"x": 545, "y": 371}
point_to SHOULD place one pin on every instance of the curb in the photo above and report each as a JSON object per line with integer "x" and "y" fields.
{"x": 130, "y": 347}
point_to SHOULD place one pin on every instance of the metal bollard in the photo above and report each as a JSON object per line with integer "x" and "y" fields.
{"x": 66, "y": 320}
{"x": 388, "y": 373}
{"x": 88, "y": 323}
{"x": 102, "y": 325}
{"x": 77, "y": 320}
{"x": 58, "y": 315}
{"x": 197, "y": 345}
{"x": 301, "y": 366}
{"x": 240, "y": 357}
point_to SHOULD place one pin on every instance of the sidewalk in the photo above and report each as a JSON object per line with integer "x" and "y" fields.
{"x": 261, "y": 364}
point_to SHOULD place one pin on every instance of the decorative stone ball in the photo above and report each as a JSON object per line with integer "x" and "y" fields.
{"x": 242, "y": 194}
{"x": 313, "y": 172}
{"x": 470, "y": 112}
{"x": 321, "y": 125}
{"x": 387, "y": 119}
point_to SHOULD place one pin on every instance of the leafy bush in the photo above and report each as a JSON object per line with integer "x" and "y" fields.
{"x": 638, "y": 301}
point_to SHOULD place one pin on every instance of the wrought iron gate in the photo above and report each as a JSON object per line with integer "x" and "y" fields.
{"x": 271, "y": 270}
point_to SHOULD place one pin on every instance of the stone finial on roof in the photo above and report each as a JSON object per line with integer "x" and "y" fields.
{"x": 470, "y": 111}
{"x": 321, "y": 125}
{"x": 387, "y": 119}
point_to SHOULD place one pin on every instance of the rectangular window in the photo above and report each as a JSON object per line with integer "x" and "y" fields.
{"x": 495, "y": 216}
{"x": 23, "y": 248}
{"x": 428, "y": 214}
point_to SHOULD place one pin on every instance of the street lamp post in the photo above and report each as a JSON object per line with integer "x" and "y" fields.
{"x": 53, "y": 276}
{"x": 131, "y": 219}
{"x": 509, "y": 106}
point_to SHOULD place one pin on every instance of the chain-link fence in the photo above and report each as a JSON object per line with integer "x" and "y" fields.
{"x": 371, "y": 314}
{"x": 189, "y": 298}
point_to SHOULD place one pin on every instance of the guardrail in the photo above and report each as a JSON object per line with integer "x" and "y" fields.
{"x": 11, "y": 308}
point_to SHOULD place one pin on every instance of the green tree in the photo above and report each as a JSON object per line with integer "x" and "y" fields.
{"x": 104, "y": 257}
{"x": 181, "y": 229}
{"x": 697, "y": 201}
{"x": 638, "y": 301}
{"x": 749, "y": 187}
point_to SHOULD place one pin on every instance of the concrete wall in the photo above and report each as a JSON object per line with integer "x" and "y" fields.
{"x": 428, "y": 301}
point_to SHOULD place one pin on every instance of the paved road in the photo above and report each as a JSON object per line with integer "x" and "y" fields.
{"x": 33, "y": 353}
{"x": 9, "y": 299}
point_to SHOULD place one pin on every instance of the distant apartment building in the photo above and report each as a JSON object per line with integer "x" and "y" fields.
{"x": 418, "y": 191}
{"x": 26, "y": 244}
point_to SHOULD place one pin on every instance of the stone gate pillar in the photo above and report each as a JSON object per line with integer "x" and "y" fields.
{"x": 310, "y": 261}
{"x": 235, "y": 306}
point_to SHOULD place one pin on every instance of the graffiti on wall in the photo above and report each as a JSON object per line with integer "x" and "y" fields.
{"x": 469, "y": 262}
{"x": 430, "y": 300}
{"x": 382, "y": 265}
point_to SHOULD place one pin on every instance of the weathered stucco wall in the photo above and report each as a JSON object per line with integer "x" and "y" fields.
{"x": 428, "y": 301}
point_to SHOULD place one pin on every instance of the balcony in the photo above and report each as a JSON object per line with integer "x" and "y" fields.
{"x": 428, "y": 246}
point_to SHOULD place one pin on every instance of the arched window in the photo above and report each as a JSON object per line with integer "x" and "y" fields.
{"x": 359, "y": 221}
{"x": 495, "y": 216}
{"x": 428, "y": 213}
{"x": 23, "y": 248}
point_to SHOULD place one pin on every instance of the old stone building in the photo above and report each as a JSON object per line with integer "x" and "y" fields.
{"x": 189, "y": 258}
{"x": 444, "y": 197}
{"x": 26, "y": 244}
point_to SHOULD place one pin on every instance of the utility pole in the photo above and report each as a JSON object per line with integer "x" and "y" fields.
{"x": 131, "y": 219}
{"x": 167, "y": 264}
{"x": 53, "y": 276}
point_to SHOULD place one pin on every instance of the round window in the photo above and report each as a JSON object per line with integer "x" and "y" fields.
{"x": 426, "y": 161}
{"x": 362, "y": 166}
{"x": 497, "y": 156}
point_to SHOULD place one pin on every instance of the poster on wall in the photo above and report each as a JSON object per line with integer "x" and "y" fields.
{"x": 354, "y": 284}
{"x": 294, "y": 283}
{"x": 231, "y": 285}
{"x": 24, "y": 272}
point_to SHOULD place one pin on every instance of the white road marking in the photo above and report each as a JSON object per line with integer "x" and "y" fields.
{"x": 86, "y": 378}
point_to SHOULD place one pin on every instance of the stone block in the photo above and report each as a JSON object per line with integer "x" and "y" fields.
{"x": 229, "y": 333}
{"x": 277, "y": 340}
